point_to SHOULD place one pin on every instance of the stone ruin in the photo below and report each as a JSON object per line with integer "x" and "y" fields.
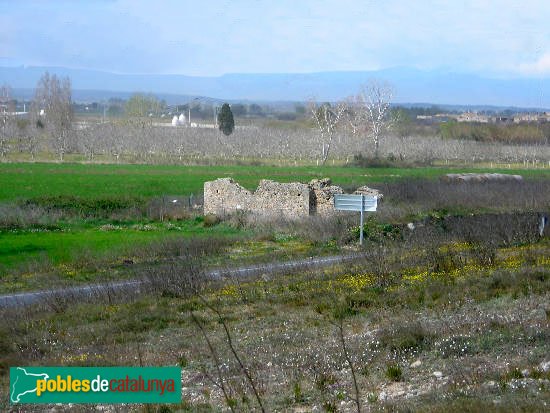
{"x": 274, "y": 199}
{"x": 481, "y": 177}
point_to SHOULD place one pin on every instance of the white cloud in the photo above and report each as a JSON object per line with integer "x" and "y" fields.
{"x": 541, "y": 66}
{"x": 502, "y": 37}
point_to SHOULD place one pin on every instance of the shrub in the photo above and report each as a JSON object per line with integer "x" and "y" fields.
{"x": 394, "y": 372}
{"x": 484, "y": 253}
{"x": 443, "y": 261}
{"x": 405, "y": 338}
{"x": 98, "y": 207}
{"x": 298, "y": 393}
{"x": 391, "y": 161}
{"x": 210, "y": 220}
{"x": 377, "y": 231}
{"x": 176, "y": 279}
{"x": 317, "y": 229}
{"x": 458, "y": 346}
{"x": 16, "y": 217}
{"x": 239, "y": 219}
{"x": 511, "y": 134}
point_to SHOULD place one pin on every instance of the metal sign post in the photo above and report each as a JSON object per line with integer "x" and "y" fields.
{"x": 361, "y": 220}
{"x": 361, "y": 203}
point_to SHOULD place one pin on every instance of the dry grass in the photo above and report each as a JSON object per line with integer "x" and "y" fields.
{"x": 475, "y": 322}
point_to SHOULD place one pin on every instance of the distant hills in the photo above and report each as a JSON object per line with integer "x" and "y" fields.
{"x": 411, "y": 85}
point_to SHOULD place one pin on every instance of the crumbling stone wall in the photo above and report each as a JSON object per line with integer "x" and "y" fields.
{"x": 224, "y": 196}
{"x": 322, "y": 196}
{"x": 273, "y": 199}
{"x": 289, "y": 200}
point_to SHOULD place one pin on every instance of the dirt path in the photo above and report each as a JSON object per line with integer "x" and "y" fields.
{"x": 136, "y": 287}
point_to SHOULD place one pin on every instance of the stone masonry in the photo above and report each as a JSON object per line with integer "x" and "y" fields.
{"x": 481, "y": 177}
{"x": 272, "y": 199}
{"x": 322, "y": 196}
{"x": 225, "y": 196}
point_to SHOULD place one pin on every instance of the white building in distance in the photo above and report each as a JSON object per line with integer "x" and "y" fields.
{"x": 178, "y": 121}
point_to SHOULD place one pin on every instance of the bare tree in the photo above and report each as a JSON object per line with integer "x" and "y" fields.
{"x": 372, "y": 106}
{"x": 402, "y": 125}
{"x": 89, "y": 140}
{"x": 117, "y": 142}
{"x": 6, "y": 119}
{"x": 246, "y": 371}
{"x": 347, "y": 356}
{"x": 327, "y": 118}
{"x": 31, "y": 142}
{"x": 52, "y": 106}
{"x": 220, "y": 380}
{"x": 27, "y": 136}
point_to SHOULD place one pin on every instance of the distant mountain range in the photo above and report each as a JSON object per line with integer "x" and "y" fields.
{"x": 411, "y": 85}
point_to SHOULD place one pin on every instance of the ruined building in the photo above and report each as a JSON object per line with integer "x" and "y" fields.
{"x": 274, "y": 199}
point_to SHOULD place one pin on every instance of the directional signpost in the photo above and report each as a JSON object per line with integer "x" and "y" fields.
{"x": 362, "y": 203}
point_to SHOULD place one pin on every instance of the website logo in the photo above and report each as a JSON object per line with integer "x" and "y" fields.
{"x": 95, "y": 385}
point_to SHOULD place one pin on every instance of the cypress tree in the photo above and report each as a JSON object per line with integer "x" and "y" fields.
{"x": 226, "y": 123}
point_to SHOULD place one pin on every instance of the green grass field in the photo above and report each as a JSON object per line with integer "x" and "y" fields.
{"x": 73, "y": 241}
{"x": 29, "y": 180}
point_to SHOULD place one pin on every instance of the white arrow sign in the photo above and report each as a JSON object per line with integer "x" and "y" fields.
{"x": 362, "y": 203}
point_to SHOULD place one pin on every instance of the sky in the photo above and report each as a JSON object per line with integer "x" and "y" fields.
{"x": 502, "y": 39}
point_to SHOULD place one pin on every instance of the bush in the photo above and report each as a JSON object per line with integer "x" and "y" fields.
{"x": 443, "y": 261}
{"x": 511, "y": 134}
{"x": 210, "y": 220}
{"x": 333, "y": 229}
{"x": 484, "y": 253}
{"x": 15, "y": 217}
{"x": 391, "y": 161}
{"x": 377, "y": 231}
{"x": 394, "y": 372}
{"x": 178, "y": 247}
{"x": 239, "y": 219}
{"x": 405, "y": 338}
{"x": 182, "y": 278}
{"x": 99, "y": 207}
{"x": 449, "y": 197}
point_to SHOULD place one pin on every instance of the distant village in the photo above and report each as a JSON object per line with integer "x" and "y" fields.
{"x": 13, "y": 107}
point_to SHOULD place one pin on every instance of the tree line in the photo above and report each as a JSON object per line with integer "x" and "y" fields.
{"x": 364, "y": 124}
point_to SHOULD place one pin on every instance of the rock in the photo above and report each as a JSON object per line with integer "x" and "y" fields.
{"x": 322, "y": 196}
{"x": 480, "y": 177}
{"x": 320, "y": 183}
{"x": 410, "y": 226}
{"x": 415, "y": 364}
{"x": 365, "y": 190}
{"x": 538, "y": 314}
{"x": 437, "y": 374}
{"x": 544, "y": 366}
